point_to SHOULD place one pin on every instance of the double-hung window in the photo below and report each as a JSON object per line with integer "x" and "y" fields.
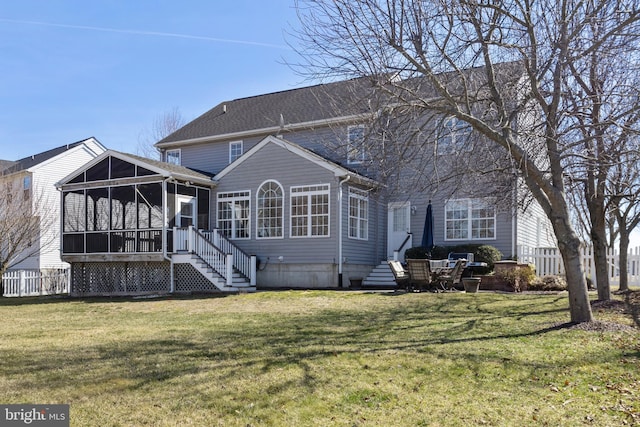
{"x": 310, "y": 211}
{"x": 235, "y": 150}
{"x": 358, "y": 214}
{"x": 26, "y": 187}
{"x": 355, "y": 144}
{"x": 173, "y": 157}
{"x": 470, "y": 219}
{"x": 233, "y": 214}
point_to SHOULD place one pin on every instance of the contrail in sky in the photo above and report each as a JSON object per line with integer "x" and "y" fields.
{"x": 146, "y": 33}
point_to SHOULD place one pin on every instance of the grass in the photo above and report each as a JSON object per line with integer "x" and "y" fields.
{"x": 306, "y": 358}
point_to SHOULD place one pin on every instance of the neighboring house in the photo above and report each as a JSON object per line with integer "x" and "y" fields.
{"x": 33, "y": 178}
{"x": 290, "y": 189}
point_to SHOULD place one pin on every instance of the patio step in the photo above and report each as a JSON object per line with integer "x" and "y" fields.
{"x": 380, "y": 277}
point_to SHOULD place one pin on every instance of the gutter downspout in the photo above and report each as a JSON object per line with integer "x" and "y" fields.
{"x": 340, "y": 225}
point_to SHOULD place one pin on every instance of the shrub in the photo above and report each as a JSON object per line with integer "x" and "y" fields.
{"x": 488, "y": 254}
{"x": 548, "y": 283}
{"x": 417, "y": 252}
{"x": 520, "y": 278}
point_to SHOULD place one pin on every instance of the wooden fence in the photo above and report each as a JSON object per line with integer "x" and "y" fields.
{"x": 549, "y": 262}
{"x": 23, "y": 283}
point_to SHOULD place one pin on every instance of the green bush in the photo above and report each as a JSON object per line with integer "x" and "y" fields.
{"x": 417, "y": 252}
{"x": 489, "y": 254}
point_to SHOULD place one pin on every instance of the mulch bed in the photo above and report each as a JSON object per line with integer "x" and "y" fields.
{"x": 630, "y": 305}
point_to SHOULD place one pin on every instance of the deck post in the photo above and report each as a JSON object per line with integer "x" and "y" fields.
{"x": 229, "y": 268}
{"x": 253, "y": 271}
{"x": 190, "y": 240}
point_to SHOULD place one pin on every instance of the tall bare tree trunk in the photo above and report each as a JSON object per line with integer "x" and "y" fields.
{"x": 569, "y": 245}
{"x": 623, "y": 261}
{"x": 600, "y": 247}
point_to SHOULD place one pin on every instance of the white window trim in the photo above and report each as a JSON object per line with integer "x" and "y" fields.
{"x": 258, "y": 237}
{"x": 231, "y": 145}
{"x": 360, "y": 195}
{"x": 361, "y": 150}
{"x": 319, "y": 189}
{"x": 222, "y": 197}
{"x": 470, "y": 202}
{"x": 177, "y": 150}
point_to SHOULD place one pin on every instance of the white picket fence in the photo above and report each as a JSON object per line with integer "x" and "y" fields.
{"x": 549, "y": 262}
{"x": 23, "y": 283}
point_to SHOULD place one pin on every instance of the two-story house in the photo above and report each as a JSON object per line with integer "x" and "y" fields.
{"x": 29, "y": 185}
{"x": 288, "y": 190}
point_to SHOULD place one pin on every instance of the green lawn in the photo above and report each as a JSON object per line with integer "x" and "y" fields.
{"x": 320, "y": 358}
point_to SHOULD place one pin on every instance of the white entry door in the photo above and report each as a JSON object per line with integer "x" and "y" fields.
{"x": 399, "y": 224}
{"x": 186, "y": 213}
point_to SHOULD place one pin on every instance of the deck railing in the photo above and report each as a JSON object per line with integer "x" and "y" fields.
{"x": 217, "y": 251}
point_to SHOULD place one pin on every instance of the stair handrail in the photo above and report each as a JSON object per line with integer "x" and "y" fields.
{"x": 244, "y": 263}
{"x": 212, "y": 256}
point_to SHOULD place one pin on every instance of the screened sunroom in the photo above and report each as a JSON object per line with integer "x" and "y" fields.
{"x": 120, "y": 217}
{"x": 125, "y": 205}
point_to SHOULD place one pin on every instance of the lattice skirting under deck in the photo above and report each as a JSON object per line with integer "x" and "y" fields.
{"x": 120, "y": 278}
{"x": 188, "y": 279}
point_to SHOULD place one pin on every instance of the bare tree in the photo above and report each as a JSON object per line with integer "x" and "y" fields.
{"x": 25, "y": 222}
{"x": 163, "y": 125}
{"x": 624, "y": 191}
{"x": 515, "y": 59}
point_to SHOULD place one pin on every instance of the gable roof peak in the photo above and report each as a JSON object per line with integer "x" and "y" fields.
{"x": 36, "y": 159}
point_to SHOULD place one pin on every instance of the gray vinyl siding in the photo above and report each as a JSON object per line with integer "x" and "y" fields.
{"x": 504, "y": 223}
{"x": 289, "y": 170}
{"x": 212, "y": 157}
{"x": 369, "y": 251}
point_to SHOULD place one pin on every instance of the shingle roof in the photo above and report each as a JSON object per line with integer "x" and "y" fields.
{"x": 169, "y": 167}
{"x": 35, "y": 159}
{"x": 326, "y": 101}
{"x": 4, "y": 164}
{"x": 301, "y": 105}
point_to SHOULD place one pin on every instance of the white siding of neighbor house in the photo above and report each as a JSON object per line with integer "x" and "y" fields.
{"x": 44, "y": 177}
{"x": 534, "y": 229}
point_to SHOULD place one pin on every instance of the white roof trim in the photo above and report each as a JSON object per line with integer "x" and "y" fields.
{"x": 123, "y": 156}
{"x": 78, "y": 147}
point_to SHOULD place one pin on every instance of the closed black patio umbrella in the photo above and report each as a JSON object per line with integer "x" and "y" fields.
{"x": 427, "y": 234}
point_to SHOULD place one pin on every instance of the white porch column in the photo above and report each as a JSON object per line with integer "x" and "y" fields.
{"x": 253, "y": 271}
{"x": 229, "y": 268}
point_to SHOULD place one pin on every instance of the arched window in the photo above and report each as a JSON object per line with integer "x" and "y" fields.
{"x": 269, "y": 210}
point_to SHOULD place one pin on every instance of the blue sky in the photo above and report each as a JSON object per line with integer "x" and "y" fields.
{"x": 74, "y": 69}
